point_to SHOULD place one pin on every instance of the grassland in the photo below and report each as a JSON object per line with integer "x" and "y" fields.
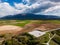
{"x": 44, "y": 38}
{"x": 14, "y": 22}
{"x": 23, "y": 22}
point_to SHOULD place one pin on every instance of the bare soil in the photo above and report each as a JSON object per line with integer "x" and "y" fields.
{"x": 9, "y": 29}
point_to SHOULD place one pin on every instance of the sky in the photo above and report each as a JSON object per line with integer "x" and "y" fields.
{"x": 45, "y": 7}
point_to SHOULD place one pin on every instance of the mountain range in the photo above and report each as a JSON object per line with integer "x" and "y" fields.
{"x": 30, "y": 17}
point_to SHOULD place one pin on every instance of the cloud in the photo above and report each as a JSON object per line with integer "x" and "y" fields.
{"x": 53, "y": 10}
{"x": 6, "y": 9}
{"x": 55, "y": 0}
{"x": 20, "y": 6}
{"x": 36, "y": 7}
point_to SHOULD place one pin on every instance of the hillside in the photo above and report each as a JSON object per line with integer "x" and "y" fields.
{"x": 30, "y": 17}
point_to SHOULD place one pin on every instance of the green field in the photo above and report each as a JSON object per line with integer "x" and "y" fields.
{"x": 23, "y": 22}
{"x": 14, "y": 22}
{"x": 26, "y": 37}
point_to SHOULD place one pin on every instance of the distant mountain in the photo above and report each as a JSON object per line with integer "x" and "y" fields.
{"x": 31, "y": 17}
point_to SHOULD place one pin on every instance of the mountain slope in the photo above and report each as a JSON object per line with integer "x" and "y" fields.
{"x": 30, "y": 16}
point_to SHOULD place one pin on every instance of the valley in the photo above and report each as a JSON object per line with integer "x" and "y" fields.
{"x": 15, "y": 30}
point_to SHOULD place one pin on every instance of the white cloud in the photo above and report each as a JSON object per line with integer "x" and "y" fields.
{"x": 20, "y": 6}
{"x": 52, "y": 8}
{"x": 55, "y": 10}
{"x": 6, "y": 9}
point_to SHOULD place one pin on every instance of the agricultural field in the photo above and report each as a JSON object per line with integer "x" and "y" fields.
{"x": 18, "y": 32}
{"x": 14, "y": 22}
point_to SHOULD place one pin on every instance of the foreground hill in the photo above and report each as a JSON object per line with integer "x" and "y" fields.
{"x": 30, "y": 16}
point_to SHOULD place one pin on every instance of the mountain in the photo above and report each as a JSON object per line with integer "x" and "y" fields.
{"x": 30, "y": 17}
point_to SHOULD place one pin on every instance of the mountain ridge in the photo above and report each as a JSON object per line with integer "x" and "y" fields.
{"x": 31, "y": 17}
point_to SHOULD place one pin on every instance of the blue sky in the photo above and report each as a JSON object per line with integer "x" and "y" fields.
{"x": 13, "y": 7}
{"x": 11, "y": 2}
